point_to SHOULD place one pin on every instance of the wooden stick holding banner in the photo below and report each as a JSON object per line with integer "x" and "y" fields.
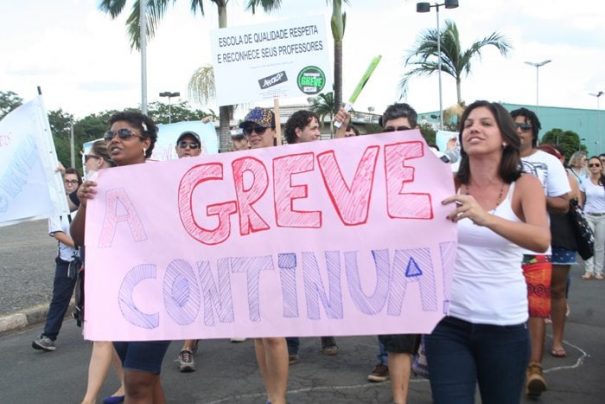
{"x": 278, "y": 139}
{"x": 362, "y": 82}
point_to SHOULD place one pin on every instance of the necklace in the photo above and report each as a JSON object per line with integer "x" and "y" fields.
{"x": 498, "y": 201}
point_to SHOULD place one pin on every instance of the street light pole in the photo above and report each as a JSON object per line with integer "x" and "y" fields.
{"x": 143, "y": 47}
{"x": 597, "y": 95}
{"x": 169, "y": 95}
{"x": 425, "y": 7}
{"x": 538, "y": 66}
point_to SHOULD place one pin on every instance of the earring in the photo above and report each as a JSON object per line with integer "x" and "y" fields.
{"x": 144, "y": 151}
{"x": 504, "y": 145}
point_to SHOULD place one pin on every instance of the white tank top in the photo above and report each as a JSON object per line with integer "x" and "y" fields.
{"x": 488, "y": 285}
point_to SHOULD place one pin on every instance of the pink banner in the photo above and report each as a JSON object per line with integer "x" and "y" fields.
{"x": 340, "y": 237}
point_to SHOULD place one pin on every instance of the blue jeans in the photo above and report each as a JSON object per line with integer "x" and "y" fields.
{"x": 383, "y": 356}
{"x": 461, "y": 354}
{"x": 63, "y": 289}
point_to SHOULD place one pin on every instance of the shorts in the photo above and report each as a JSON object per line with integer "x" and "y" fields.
{"x": 537, "y": 270}
{"x": 563, "y": 256}
{"x": 400, "y": 343}
{"x": 146, "y": 356}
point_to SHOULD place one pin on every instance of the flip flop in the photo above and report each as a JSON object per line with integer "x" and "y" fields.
{"x": 558, "y": 352}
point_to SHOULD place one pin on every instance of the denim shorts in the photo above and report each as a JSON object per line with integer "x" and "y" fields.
{"x": 563, "y": 256}
{"x": 146, "y": 356}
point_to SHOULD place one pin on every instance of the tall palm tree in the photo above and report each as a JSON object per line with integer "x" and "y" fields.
{"x": 201, "y": 84}
{"x": 423, "y": 58}
{"x": 155, "y": 11}
{"x": 338, "y": 23}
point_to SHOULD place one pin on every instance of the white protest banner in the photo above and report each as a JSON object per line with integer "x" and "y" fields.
{"x": 30, "y": 186}
{"x": 287, "y": 58}
{"x": 339, "y": 237}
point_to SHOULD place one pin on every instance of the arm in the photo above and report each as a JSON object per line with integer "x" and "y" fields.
{"x": 529, "y": 203}
{"x": 558, "y": 204}
{"x": 77, "y": 229}
{"x": 344, "y": 118}
{"x": 64, "y": 238}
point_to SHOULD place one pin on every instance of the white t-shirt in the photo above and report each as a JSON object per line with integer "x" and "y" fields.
{"x": 595, "y": 197}
{"x": 61, "y": 224}
{"x": 551, "y": 174}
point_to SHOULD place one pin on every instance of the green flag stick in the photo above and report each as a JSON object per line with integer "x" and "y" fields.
{"x": 362, "y": 83}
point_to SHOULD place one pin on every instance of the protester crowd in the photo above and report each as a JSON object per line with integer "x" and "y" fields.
{"x": 516, "y": 245}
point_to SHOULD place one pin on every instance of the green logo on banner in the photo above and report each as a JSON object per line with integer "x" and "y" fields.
{"x": 311, "y": 80}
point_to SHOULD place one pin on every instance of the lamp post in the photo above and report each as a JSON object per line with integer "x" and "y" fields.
{"x": 538, "y": 65}
{"x": 597, "y": 95}
{"x": 425, "y": 7}
{"x": 169, "y": 94}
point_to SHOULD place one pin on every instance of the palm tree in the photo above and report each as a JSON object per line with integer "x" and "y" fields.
{"x": 201, "y": 84}
{"x": 454, "y": 61}
{"x": 338, "y": 23}
{"x": 155, "y": 11}
{"x": 322, "y": 105}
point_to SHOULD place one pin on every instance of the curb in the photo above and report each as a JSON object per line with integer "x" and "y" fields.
{"x": 29, "y": 316}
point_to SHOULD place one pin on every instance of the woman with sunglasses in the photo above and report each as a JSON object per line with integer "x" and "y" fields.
{"x": 499, "y": 212}
{"x": 593, "y": 189}
{"x": 130, "y": 140}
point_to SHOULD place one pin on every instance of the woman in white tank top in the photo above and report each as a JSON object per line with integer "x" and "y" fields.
{"x": 500, "y": 212}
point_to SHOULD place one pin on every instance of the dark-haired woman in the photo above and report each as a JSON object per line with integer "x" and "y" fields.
{"x": 593, "y": 189}
{"x": 130, "y": 140}
{"x": 499, "y": 211}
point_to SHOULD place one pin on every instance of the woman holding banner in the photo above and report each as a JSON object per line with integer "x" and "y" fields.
{"x": 499, "y": 212}
{"x": 130, "y": 140}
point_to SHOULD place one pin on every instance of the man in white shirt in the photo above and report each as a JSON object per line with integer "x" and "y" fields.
{"x": 537, "y": 268}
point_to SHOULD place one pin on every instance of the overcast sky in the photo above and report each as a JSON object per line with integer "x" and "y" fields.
{"x": 82, "y": 60}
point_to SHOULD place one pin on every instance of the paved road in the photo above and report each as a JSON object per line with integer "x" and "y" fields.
{"x": 227, "y": 372}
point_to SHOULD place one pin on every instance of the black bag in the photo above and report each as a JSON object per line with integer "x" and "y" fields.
{"x": 582, "y": 231}
{"x": 79, "y": 298}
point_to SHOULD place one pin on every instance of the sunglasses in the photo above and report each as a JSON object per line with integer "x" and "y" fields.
{"x": 90, "y": 156}
{"x": 191, "y": 145}
{"x": 395, "y": 129}
{"x": 523, "y": 126}
{"x": 259, "y": 130}
{"x": 123, "y": 134}
{"x": 71, "y": 181}
{"x": 594, "y": 165}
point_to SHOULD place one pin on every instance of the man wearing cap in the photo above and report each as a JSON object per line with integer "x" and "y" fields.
{"x": 271, "y": 353}
{"x": 188, "y": 145}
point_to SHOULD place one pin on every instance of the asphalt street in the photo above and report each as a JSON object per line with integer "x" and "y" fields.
{"x": 227, "y": 372}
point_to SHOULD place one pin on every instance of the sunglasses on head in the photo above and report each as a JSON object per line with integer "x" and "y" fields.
{"x": 238, "y": 137}
{"x": 395, "y": 129}
{"x": 192, "y": 145}
{"x": 90, "y": 156}
{"x": 123, "y": 134}
{"x": 594, "y": 165}
{"x": 523, "y": 126}
{"x": 259, "y": 130}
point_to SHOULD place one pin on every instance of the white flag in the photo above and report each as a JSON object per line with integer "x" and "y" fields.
{"x": 30, "y": 186}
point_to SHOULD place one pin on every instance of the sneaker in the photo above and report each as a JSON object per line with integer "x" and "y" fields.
{"x": 380, "y": 373}
{"x": 535, "y": 383}
{"x": 328, "y": 346}
{"x": 44, "y": 343}
{"x": 292, "y": 359}
{"x": 186, "y": 362}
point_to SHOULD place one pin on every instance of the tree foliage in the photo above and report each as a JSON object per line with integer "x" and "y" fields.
{"x": 9, "y": 101}
{"x": 423, "y": 58}
{"x": 323, "y": 105}
{"x": 567, "y": 140}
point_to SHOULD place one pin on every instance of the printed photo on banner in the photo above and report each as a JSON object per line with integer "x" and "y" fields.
{"x": 340, "y": 237}
{"x": 287, "y": 58}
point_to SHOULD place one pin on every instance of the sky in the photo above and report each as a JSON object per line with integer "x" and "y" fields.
{"x": 81, "y": 58}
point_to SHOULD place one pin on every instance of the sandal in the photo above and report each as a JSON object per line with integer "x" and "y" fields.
{"x": 599, "y": 277}
{"x": 587, "y": 276}
{"x": 558, "y": 352}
